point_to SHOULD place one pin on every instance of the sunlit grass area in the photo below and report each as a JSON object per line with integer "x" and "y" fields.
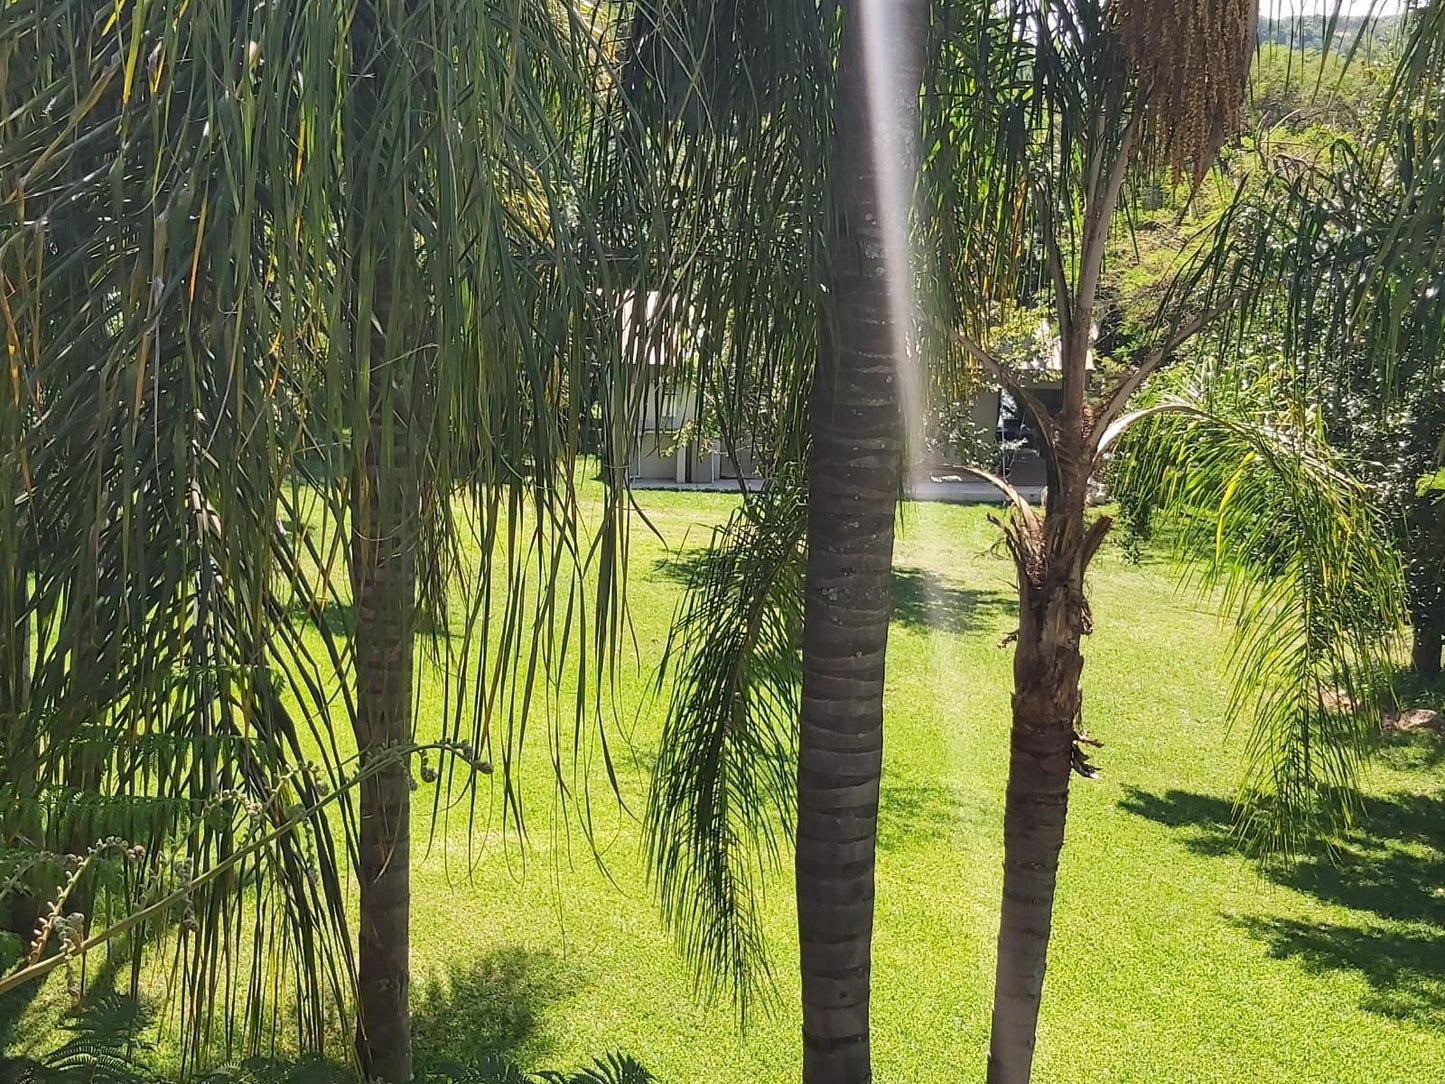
{"x": 1174, "y": 958}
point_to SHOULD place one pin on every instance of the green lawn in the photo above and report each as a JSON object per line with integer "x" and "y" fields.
{"x": 1173, "y": 959}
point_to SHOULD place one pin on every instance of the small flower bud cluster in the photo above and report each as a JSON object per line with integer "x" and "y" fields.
{"x": 464, "y": 752}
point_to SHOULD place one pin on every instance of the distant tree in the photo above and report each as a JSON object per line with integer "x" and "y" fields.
{"x": 1327, "y": 29}
{"x": 1357, "y": 263}
{"x": 1326, "y": 96}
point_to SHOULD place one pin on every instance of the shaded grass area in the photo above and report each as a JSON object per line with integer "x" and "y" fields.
{"x": 1175, "y": 959}
{"x": 1389, "y": 876}
{"x": 496, "y": 1007}
{"x": 473, "y": 1021}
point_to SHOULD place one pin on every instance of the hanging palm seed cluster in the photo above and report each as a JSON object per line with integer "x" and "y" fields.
{"x": 1191, "y": 58}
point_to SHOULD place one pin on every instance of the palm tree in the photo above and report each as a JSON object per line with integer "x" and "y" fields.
{"x": 855, "y": 475}
{"x": 1359, "y": 235}
{"x": 301, "y": 299}
{"x": 150, "y": 427}
{"x": 1369, "y": 281}
{"x": 1073, "y": 97}
{"x": 792, "y": 287}
{"x": 1111, "y": 84}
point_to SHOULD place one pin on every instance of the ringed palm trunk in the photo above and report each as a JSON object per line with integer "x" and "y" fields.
{"x": 384, "y": 533}
{"x": 855, "y": 474}
{"x": 384, "y": 571}
{"x": 1048, "y": 664}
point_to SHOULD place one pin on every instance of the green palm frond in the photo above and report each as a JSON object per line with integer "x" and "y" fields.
{"x": 149, "y": 430}
{"x": 213, "y": 216}
{"x": 733, "y": 108}
{"x": 723, "y": 794}
{"x": 736, "y": 110}
{"x": 611, "y": 1069}
{"x": 731, "y": 114}
{"x": 1341, "y": 258}
{"x": 1423, "y": 58}
{"x": 1241, "y": 482}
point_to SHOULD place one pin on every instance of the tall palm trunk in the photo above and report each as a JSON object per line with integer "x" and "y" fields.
{"x": 854, "y": 481}
{"x": 1048, "y": 663}
{"x": 384, "y": 571}
{"x": 384, "y": 532}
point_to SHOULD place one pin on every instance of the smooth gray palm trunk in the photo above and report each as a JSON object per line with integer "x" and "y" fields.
{"x": 854, "y": 481}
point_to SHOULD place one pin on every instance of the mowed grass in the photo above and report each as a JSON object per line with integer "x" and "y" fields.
{"x": 1174, "y": 959}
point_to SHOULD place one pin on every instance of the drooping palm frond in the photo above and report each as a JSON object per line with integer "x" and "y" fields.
{"x": 146, "y": 154}
{"x": 1345, "y": 259}
{"x": 1238, "y": 477}
{"x": 723, "y": 794}
{"x": 1351, "y": 248}
{"x": 1423, "y": 58}
{"x": 733, "y": 106}
{"x": 985, "y": 113}
{"x": 235, "y": 239}
{"x": 730, "y": 109}
{"x": 611, "y": 1069}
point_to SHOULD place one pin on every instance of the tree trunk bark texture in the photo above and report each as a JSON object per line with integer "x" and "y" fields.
{"x": 1425, "y": 583}
{"x": 20, "y": 827}
{"x": 855, "y": 475}
{"x": 1426, "y": 641}
{"x": 384, "y": 587}
{"x": 384, "y": 532}
{"x": 1048, "y": 665}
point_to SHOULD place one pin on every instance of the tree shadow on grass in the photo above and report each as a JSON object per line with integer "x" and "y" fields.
{"x": 683, "y": 566}
{"x": 1207, "y": 817}
{"x": 1412, "y": 751}
{"x": 105, "y": 1037}
{"x": 334, "y": 618}
{"x": 468, "y": 1023}
{"x": 1405, "y": 968}
{"x": 1390, "y": 871}
{"x": 104, "y": 1009}
{"x": 338, "y": 619}
{"x": 917, "y": 815}
{"x": 489, "y": 1008}
{"x": 924, "y": 600}
{"x": 13, "y": 1007}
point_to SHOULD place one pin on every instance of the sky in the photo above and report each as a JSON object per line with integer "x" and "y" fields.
{"x": 1279, "y": 8}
